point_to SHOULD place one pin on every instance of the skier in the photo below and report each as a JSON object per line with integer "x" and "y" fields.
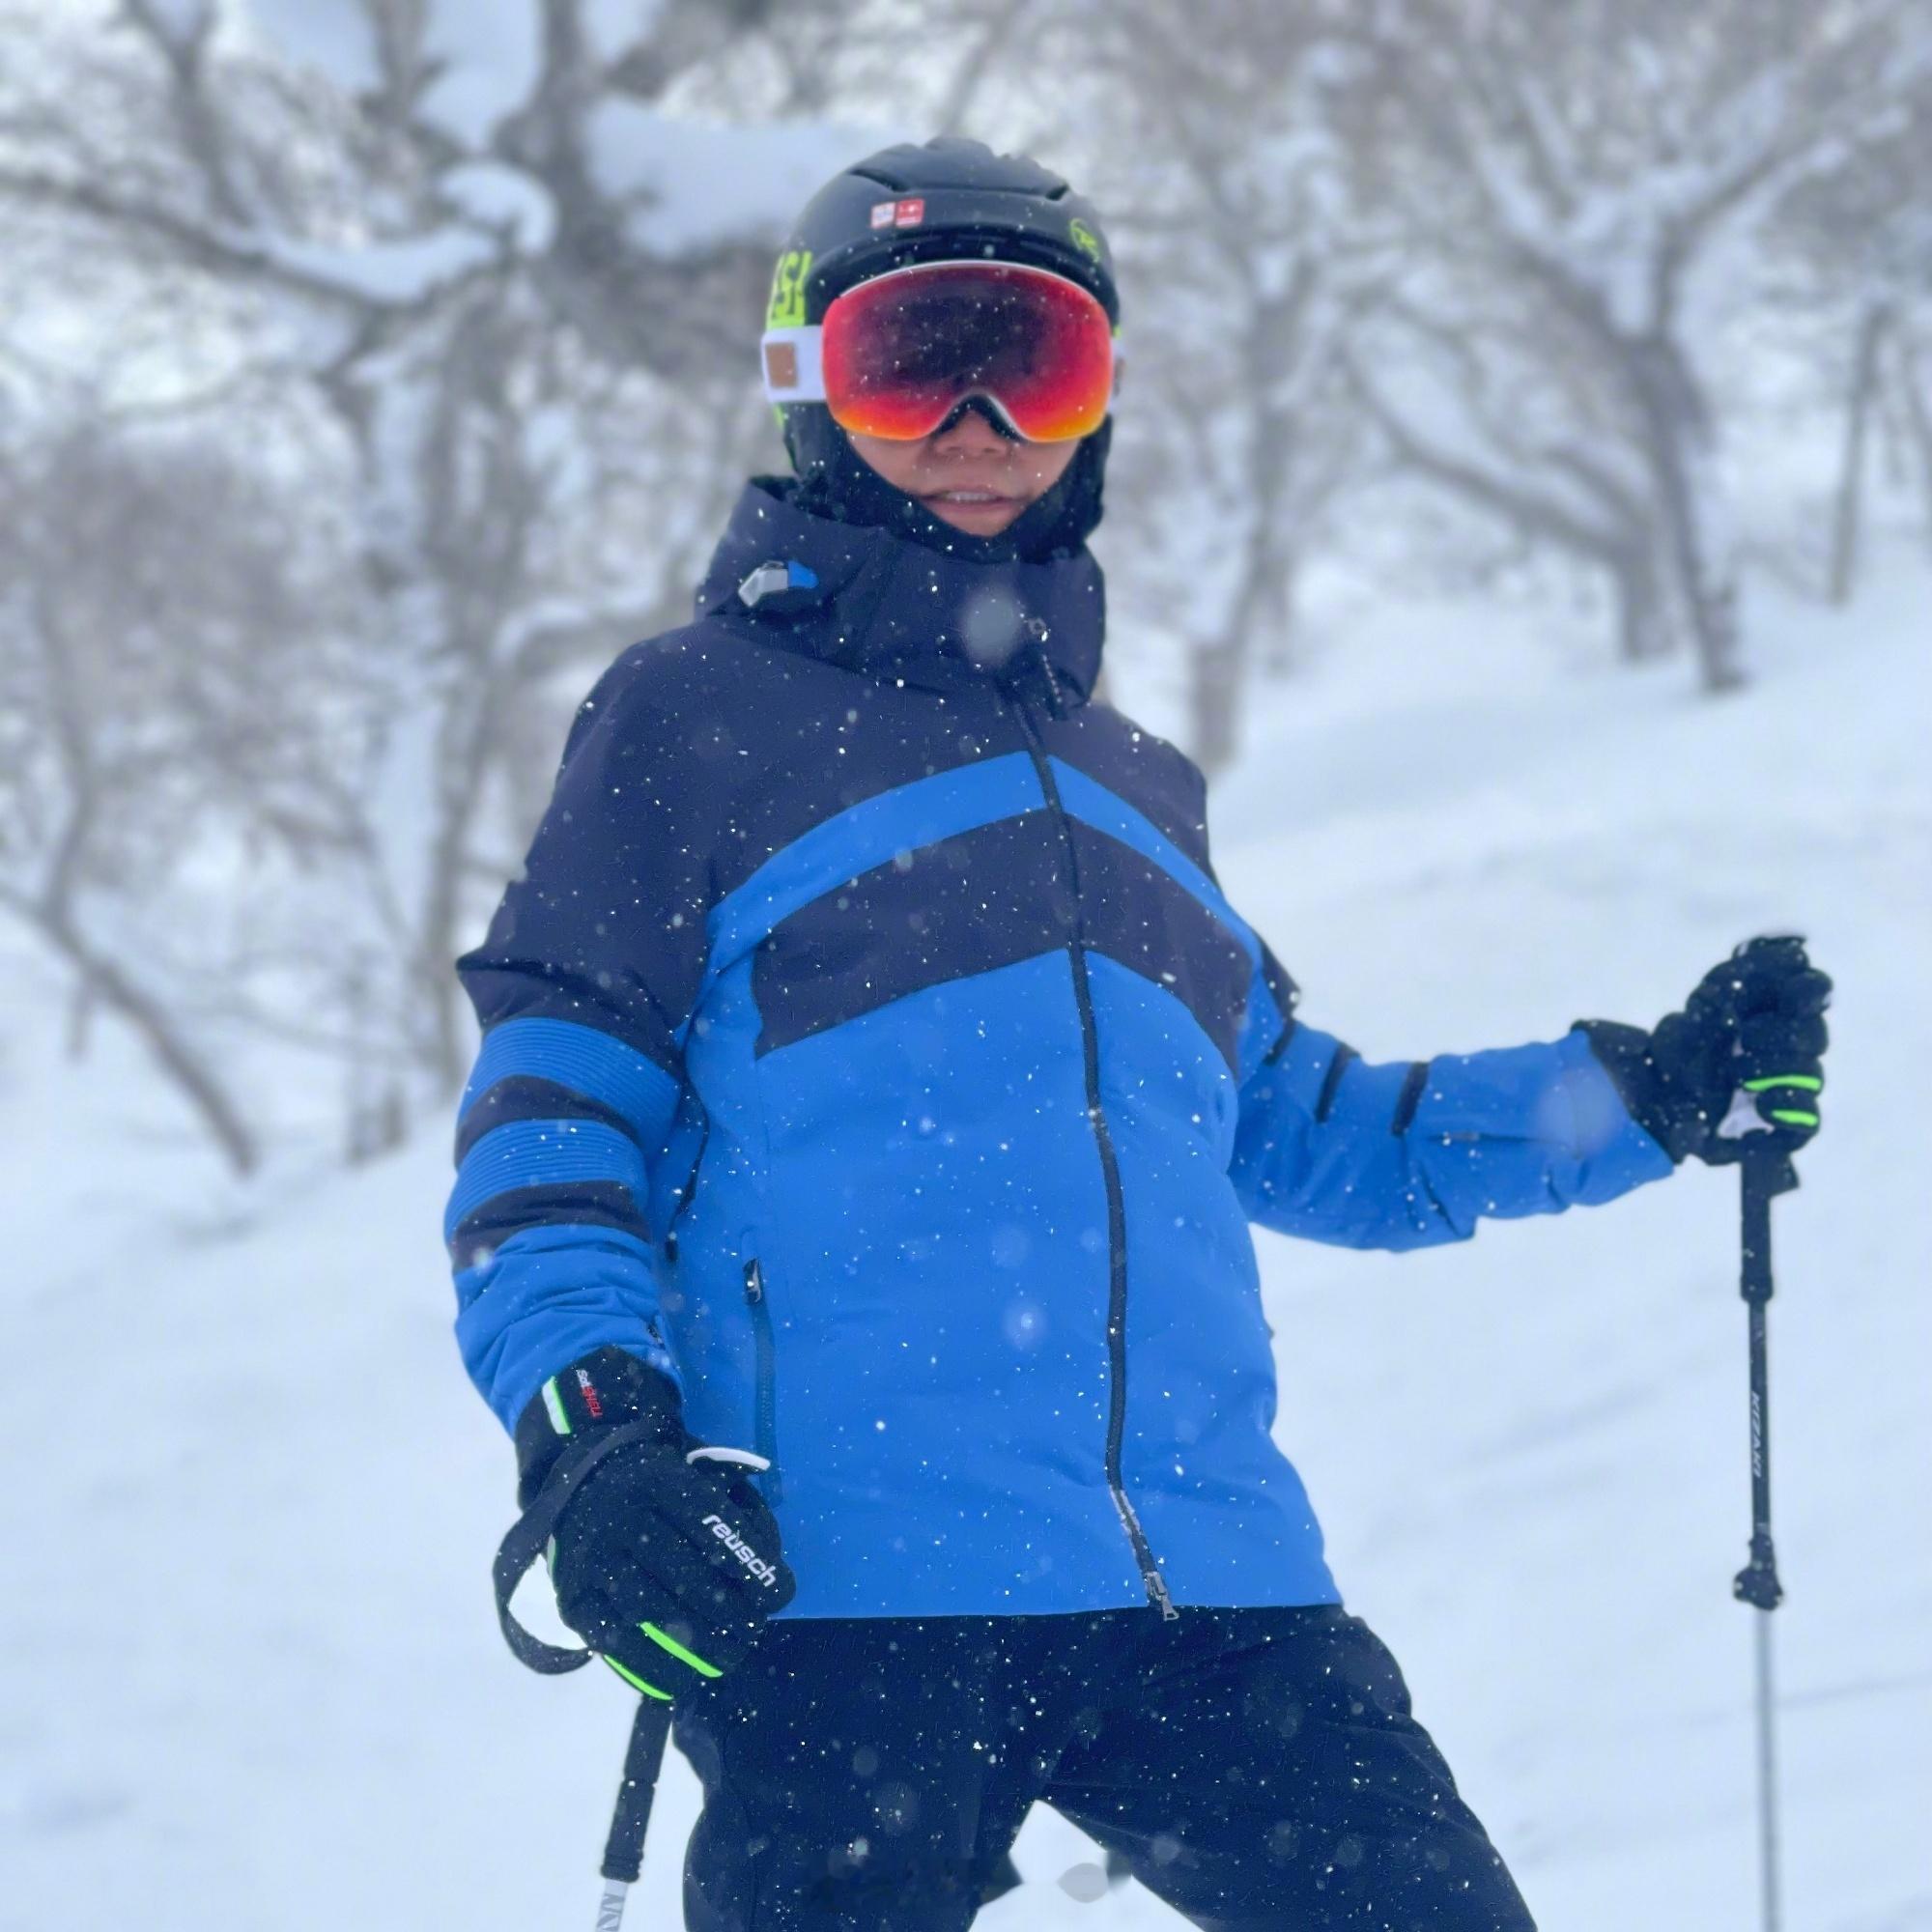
{"x": 876, "y": 1090}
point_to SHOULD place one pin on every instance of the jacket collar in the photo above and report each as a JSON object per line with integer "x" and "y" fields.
{"x": 875, "y": 602}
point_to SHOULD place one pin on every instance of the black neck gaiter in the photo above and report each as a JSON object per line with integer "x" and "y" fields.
{"x": 835, "y": 482}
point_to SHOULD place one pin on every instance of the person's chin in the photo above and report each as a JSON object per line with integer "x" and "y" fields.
{"x": 980, "y": 520}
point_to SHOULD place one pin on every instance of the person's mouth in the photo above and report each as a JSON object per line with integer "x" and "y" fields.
{"x": 967, "y": 497}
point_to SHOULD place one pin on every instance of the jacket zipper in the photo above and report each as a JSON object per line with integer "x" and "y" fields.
{"x": 1155, "y": 1584}
{"x": 764, "y": 1437}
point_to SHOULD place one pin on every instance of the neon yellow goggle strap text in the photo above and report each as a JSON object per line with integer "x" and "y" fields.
{"x": 666, "y": 1642}
{"x": 786, "y": 307}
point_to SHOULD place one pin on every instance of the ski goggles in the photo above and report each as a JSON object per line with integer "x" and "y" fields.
{"x": 897, "y": 355}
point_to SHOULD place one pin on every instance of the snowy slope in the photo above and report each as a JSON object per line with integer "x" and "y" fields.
{"x": 248, "y": 1672}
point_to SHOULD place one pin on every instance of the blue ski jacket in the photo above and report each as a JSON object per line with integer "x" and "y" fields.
{"x": 869, "y": 1047}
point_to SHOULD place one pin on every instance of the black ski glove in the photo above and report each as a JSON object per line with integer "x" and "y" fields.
{"x": 1743, "y": 1062}
{"x": 665, "y": 1560}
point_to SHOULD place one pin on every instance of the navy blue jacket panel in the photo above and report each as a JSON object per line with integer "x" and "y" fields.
{"x": 869, "y": 1046}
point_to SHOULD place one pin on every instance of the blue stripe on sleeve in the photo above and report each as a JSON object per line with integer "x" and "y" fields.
{"x": 518, "y": 1097}
{"x": 588, "y": 1062}
{"x": 542, "y": 1153}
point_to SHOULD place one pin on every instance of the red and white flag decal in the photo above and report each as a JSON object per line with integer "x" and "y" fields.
{"x": 909, "y": 213}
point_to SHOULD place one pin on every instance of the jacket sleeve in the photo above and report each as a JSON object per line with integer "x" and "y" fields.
{"x": 583, "y": 987}
{"x": 1397, "y": 1155}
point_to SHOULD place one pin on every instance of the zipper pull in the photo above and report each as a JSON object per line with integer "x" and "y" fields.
{"x": 1156, "y": 1589}
{"x": 1029, "y": 675}
{"x": 755, "y": 1283}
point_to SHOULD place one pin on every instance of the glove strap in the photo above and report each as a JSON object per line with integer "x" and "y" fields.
{"x": 529, "y": 1536}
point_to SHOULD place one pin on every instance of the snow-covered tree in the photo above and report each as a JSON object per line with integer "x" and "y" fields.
{"x": 1605, "y": 175}
{"x": 1854, "y": 282}
{"x": 180, "y": 737}
{"x": 464, "y": 300}
{"x": 517, "y": 295}
{"x": 1227, "y": 202}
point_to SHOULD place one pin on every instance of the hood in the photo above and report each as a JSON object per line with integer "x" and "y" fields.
{"x": 876, "y": 602}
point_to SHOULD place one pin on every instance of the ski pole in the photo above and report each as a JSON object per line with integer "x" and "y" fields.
{"x": 526, "y": 1540}
{"x": 1765, "y": 1174}
{"x": 624, "y": 1848}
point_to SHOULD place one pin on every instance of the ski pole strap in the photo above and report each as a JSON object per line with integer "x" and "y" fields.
{"x": 529, "y": 1536}
{"x": 624, "y": 1848}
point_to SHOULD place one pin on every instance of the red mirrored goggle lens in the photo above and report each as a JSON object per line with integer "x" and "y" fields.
{"x": 902, "y": 351}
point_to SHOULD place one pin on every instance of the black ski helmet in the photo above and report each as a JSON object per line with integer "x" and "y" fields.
{"x": 947, "y": 200}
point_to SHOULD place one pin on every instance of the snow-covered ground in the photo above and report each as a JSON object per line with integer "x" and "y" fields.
{"x": 249, "y": 1675}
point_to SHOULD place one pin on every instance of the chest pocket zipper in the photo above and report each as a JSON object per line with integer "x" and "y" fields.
{"x": 765, "y": 1413}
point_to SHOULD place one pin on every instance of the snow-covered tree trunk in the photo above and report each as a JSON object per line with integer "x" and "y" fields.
{"x": 1860, "y": 397}
{"x": 1915, "y": 381}
{"x": 189, "y": 1069}
{"x": 1643, "y": 623}
{"x": 1696, "y": 527}
{"x": 1259, "y": 610}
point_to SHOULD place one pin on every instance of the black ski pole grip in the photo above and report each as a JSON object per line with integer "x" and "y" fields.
{"x": 1758, "y": 1176}
{"x": 529, "y": 1536}
{"x": 624, "y": 1848}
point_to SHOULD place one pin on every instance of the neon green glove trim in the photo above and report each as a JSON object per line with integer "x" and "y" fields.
{"x": 637, "y": 1683}
{"x": 1793, "y": 1119}
{"x": 1811, "y": 1083}
{"x": 678, "y": 1651}
{"x": 560, "y": 1416}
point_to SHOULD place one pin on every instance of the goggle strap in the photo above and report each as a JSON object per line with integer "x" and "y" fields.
{"x": 793, "y": 365}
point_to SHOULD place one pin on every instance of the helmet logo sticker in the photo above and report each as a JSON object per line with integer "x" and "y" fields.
{"x": 899, "y": 214}
{"x": 788, "y": 279}
{"x": 1084, "y": 238}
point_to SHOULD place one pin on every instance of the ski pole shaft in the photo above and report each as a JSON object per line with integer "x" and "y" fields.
{"x": 1766, "y": 1780}
{"x": 1764, "y": 1176}
{"x": 624, "y": 1848}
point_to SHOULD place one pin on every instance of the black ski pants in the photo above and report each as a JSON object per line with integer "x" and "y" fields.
{"x": 1258, "y": 1769}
